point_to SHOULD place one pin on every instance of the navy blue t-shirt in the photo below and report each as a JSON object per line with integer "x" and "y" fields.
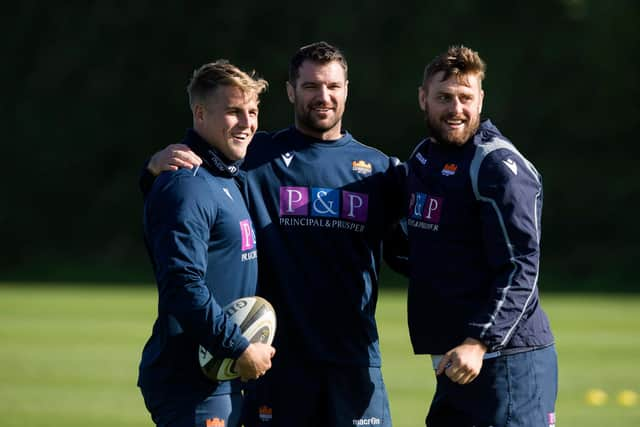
{"x": 321, "y": 210}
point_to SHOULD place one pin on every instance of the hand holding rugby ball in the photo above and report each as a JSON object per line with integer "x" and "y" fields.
{"x": 257, "y": 321}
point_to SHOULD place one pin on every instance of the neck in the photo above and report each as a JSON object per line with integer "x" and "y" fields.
{"x": 328, "y": 135}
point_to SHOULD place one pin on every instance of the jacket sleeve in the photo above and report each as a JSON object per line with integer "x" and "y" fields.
{"x": 179, "y": 214}
{"x": 395, "y": 248}
{"x": 509, "y": 190}
{"x": 395, "y": 191}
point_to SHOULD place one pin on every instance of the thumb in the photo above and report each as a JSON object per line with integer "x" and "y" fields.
{"x": 445, "y": 362}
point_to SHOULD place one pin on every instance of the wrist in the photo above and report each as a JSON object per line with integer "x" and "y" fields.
{"x": 477, "y": 343}
{"x": 152, "y": 170}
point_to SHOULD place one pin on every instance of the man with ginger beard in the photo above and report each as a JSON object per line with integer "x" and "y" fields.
{"x": 322, "y": 203}
{"x": 474, "y": 244}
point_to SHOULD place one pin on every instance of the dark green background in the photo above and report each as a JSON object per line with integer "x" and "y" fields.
{"x": 90, "y": 90}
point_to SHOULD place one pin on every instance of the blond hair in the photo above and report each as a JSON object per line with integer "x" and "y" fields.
{"x": 209, "y": 77}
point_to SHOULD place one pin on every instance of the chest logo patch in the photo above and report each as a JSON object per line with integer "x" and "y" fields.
{"x": 265, "y": 413}
{"x": 248, "y": 242}
{"x": 449, "y": 169}
{"x": 425, "y": 208}
{"x": 324, "y": 202}
{"x": 287, "y": 157}
{"x": 421, "y": 159}
{"x": 226, "y": 191}
{"x": 215, "y": 422}
{"x": 513, "y": 167}
{"x": 424, "y": 211}
{"x": 361, "y": 167}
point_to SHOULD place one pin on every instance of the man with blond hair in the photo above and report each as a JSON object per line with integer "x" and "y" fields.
{"x": 202, "y": 245}
{"x": 474, "y": 244}
{"x": 322, "y": 203}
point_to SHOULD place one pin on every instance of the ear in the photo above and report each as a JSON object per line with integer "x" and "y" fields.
{"x": 422, "y": 98}
{"x": 291, "y": 92}
{"x": 198, "y": 113}
{"x": 346, "y": 89}
{"x": 481, "y": 101}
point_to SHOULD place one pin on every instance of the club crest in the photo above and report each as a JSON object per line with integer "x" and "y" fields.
{"x": 361, "y": 167}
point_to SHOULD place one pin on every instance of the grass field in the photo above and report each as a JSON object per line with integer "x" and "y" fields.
{"x": 69, "y": 355}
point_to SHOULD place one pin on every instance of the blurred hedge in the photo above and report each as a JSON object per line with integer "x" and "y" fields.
{"x": 92, "y": 89}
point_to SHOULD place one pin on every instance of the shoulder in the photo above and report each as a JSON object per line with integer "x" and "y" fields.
{"x": 368, "y": 150}
{"x": 418, "y": 151}
{"x": 498, "y": 163}
{"x": 365, "y": 153}
{"x": 378, "y": 160}
{"x": 494, "y": 151}
{"x": 498, "y": 154}
{"x": 265, "y": 140}
{"x": 264, "y": 146}
{"x": 182, "y": 188}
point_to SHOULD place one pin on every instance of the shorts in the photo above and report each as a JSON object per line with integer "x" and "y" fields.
{"x": 316, "y": 394}
{"x": 220, "y": 410}
{"x": 516, "y": 390}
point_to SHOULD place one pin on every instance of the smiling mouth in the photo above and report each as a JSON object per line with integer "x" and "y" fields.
{"x": 241, "y": 137}
{"x": 322, "y": 109}
{"x": 455, "y": 123}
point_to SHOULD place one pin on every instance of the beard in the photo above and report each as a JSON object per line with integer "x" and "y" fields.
{"x": 306, "y": 117}
{"x": 438, "y": 131}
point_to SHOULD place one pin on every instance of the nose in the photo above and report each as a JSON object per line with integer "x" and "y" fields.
{"x": 456, "y": 105}
{"x": 323, "y": 93}
{"x": 244, "y": 119}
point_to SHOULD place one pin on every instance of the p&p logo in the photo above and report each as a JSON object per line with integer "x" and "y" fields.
{"x": 247, "y": 234}
{"x": 423, "y": 207}
{"x": 324, "y": 203}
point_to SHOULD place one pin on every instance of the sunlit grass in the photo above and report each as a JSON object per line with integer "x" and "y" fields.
{"x": 69, "y": 356}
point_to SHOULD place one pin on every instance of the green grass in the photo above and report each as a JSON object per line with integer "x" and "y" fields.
{"x": 69, "y": 355}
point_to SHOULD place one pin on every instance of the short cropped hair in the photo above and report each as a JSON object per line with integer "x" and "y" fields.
{"x": 209, "y": 77}
{"x": 457, "y": 61}
{"x": 318, "y": 52}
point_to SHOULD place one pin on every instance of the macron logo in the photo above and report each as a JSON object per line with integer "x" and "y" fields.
{"x": 287, "y": 157}
{"x": 226, "y": 191}
{"x": 513, "y": 167}
{"x": 373, "y": 421}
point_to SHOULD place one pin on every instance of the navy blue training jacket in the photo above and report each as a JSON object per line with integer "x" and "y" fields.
{"x": 202, "y": 246}
{"x": 474, "y": 246}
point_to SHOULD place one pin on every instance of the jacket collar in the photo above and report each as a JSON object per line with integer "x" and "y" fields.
{"x": 213, "y": 160}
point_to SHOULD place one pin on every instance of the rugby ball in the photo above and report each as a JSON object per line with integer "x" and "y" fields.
{"x": 257, "y": 321}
